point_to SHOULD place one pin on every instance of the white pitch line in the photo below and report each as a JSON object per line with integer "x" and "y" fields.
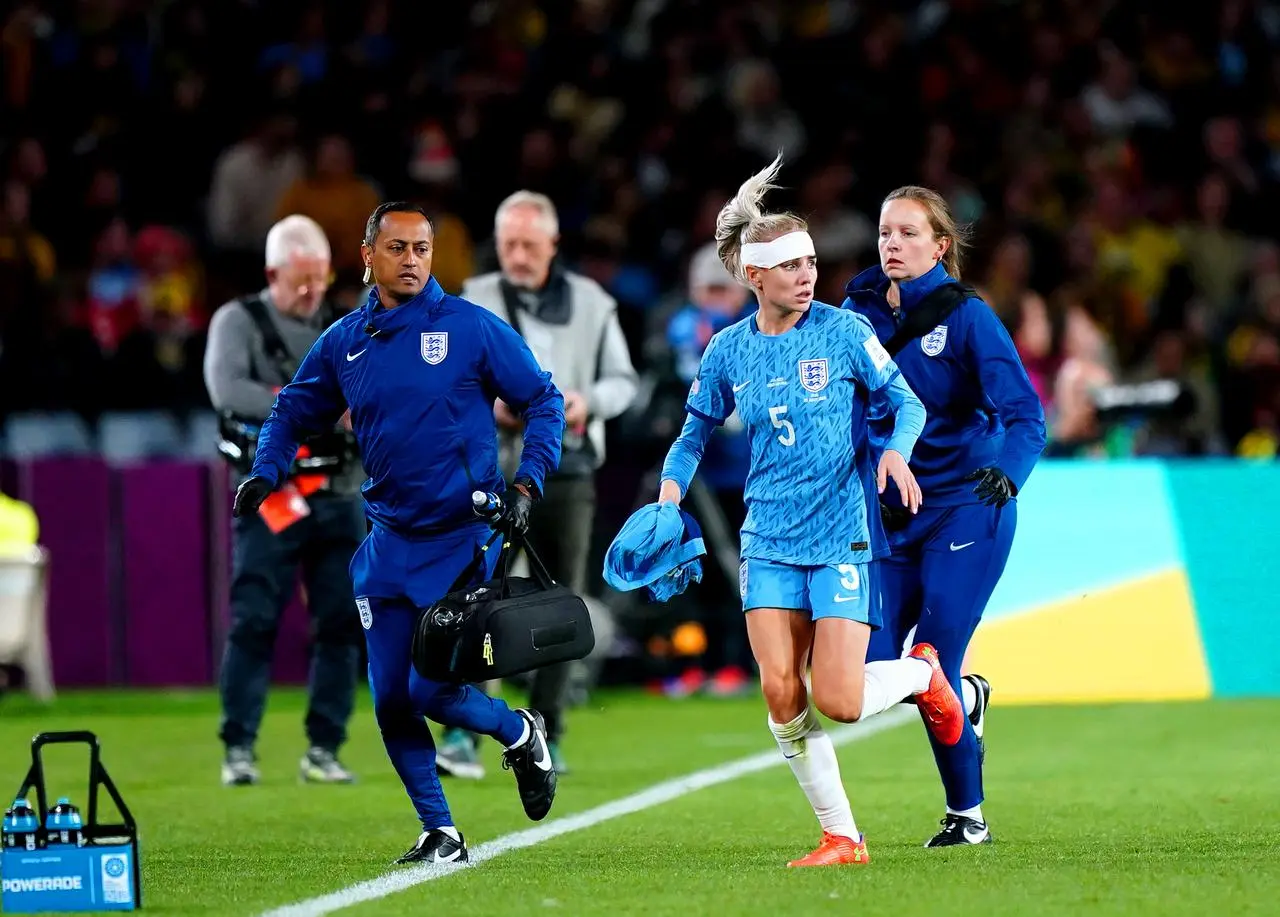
{"x": 407, "y": 877}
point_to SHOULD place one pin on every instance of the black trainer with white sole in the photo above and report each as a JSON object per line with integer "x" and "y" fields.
{"x": 960, "y": 830}
{"x": 978, "y": 716}
{"x": 436, "y": 846}
{"x": 531, "y": 763}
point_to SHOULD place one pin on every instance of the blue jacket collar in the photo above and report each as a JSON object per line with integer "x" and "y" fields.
{"x": 912, "y": 291}
{"x": 384, "y": 319}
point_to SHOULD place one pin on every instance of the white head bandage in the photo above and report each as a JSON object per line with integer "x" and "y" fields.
{"x": 785, "y": 248}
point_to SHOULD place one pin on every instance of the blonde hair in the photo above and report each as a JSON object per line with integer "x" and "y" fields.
{"x": 741, "y": 220}
{"x": 941, "y": 221}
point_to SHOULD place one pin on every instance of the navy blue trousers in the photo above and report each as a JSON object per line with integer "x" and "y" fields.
{"x": 944, "y": 567}
{"x": 394, "y": 580}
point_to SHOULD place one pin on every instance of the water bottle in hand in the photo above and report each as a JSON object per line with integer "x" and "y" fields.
{"x": 486, "y": 505}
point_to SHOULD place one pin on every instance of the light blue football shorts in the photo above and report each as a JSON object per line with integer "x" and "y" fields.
{"x": 827, "y": 591}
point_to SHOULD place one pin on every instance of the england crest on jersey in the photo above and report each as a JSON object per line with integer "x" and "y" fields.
{"x": 366, "y": 613}
{"x": 435, "y": 346}
{"x": 933, "y": 342}
{"x": 813, "y": 375}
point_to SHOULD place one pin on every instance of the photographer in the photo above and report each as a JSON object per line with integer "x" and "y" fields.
{"x": 314, "y": 522}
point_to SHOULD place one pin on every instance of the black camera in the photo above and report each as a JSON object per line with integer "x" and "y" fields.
{"x": 1160, "y": 398}
{"x": 326, "y": 453}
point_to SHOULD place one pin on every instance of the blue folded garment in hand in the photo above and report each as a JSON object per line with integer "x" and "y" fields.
{"x": 658, "y": 548}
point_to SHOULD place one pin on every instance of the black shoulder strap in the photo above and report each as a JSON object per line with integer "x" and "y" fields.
{"x": 472, "y": 570}
{"x": 511, "y": 305}
{"x": 272, "y": 343}
{"x": 931, "y": 312}
{"x": 510, "y": 546}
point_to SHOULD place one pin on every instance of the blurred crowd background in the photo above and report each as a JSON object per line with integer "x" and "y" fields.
{"x": 1118, "y": 162}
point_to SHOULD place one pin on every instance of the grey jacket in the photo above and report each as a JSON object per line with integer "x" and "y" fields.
{"x": 587, "y": 353}
{"x": 241, "y": 377}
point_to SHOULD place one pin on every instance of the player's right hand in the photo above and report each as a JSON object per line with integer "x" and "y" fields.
{"x": 893, "y": 465}
{"x": 249, "y": 496}
{"x": 669, "y": 492}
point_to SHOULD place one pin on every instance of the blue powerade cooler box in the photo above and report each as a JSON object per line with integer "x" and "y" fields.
{"x": 94, "y": 868}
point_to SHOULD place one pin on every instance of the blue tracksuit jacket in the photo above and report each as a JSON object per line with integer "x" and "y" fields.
{"x": 982, "y": 409}
{"x": 420, "y": 380}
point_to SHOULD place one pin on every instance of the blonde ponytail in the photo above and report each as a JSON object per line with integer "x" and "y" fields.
{"x": 743, "y": 220}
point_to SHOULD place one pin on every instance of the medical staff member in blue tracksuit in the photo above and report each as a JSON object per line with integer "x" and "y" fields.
{"x": 983, "y": 434}
{"x": 419, "y": 371}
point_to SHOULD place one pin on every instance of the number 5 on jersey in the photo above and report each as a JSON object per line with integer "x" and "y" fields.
{"x": 788, "y": 435}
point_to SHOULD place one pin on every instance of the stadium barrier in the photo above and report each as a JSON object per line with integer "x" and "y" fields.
{"x": 1128, "y": 580}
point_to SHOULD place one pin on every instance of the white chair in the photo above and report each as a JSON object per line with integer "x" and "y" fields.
{"x": 126, "y": 437}
{"x": 24, "y": 630}
{"x": 201, "y": 436}
{"x": 35, "y": 435}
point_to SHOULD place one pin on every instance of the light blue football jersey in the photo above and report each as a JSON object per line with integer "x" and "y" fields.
{"x": 802, "y": 397}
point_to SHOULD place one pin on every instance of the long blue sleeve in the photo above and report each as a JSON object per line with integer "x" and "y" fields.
{"x": 908, "y": 414}
{"x": 310, "y": 404}
{"x": 686, "y": 452}
{"x": 516, "y": 377}
{"x": 1006, "y": 384}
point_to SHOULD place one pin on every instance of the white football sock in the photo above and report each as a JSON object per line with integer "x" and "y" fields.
{"x": 451, "y": 831}
{"x": 969, "y": 696}
{"x": 524, "y": 736}
{"x": 886, "y": 683}
{"x": 812, "y": 757}
{"x": 975, "y": 813}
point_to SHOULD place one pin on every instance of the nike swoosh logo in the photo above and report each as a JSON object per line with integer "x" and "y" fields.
{"x": 450, "y": 858}
{"x": 740, "y": 386}
{"x": 543, "y": 756}
{"x": 975, "y": 835}
{"x": 961, "y": 547}
{"x": 845, "y": 598}
{"x": 353, "y": 356}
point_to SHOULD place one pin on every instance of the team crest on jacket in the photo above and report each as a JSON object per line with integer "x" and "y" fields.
{"x": 366, "y": 613}
{"x": 435, "y": 346}
{"x": 933, "y": 342}
{"x": 813, "y": 375}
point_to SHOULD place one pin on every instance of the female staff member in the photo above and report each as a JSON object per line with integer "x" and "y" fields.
{"x": 983, "y": 434}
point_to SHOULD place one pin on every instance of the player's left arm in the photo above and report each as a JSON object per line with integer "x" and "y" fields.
{"x": 994, "y": 360}
{"x": 890, "y": 393}
{"x": 512, "y": 372}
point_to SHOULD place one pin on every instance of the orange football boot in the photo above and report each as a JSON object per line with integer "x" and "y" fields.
{"x": 836, "y": 850}
{"x": 942, "y": 710}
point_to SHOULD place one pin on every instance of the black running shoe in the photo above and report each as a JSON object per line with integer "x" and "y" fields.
{"x": 531, "y": 763}
{"x": 959, "y": 830}
{"x": 436, "y": 846}
{"x": 978, "y": 718}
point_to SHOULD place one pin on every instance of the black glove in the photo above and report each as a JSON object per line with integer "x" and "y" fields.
{"x": 249, "y": 496}
{"x": 520, "y": 500}
{"x": 994, "y": 487}
{"x": 895, "y": 518}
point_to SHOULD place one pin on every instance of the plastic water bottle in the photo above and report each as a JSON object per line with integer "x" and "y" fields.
{"x": 63, "y": 824}
{"x": 487, "y": 506}
{"x": 20, "y": 825}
